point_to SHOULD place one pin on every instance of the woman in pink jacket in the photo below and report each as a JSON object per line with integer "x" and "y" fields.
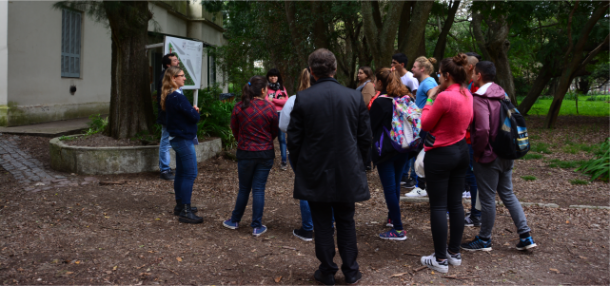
{"x": 446, "y": 116}
{"x": 276, "y": 94}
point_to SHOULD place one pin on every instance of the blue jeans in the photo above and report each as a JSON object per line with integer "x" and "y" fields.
{"x": 164, "y": 146}
{"x": 390, "y": 173}
{"x": 306, "y": 220}
{"x": 472, "y": 183}
{"x": 410, "y": 168}
{"x": 281, "y": 137}
{"x": 252, "y": 177}
{"x": 186, "y": 169}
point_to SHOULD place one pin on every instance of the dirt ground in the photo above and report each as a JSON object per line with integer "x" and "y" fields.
{"x": 126, "y": 234}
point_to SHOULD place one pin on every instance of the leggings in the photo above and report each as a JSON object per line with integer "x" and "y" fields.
{"x": 445, "y": 169}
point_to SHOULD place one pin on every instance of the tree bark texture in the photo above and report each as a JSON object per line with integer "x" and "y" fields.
{"x": 381, "y": 35}
{"x": 415, "y": 39}
{"x": 297, "y": 34}
{"x": 495, "y": 46}
{"x": 441, "y": 44}
{"x": 131, "y": 108}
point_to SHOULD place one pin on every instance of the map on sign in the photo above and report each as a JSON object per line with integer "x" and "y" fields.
{"x": 189, "y": 54}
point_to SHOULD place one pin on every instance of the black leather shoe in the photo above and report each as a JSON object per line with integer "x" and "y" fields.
{"x": 179, "y": 206}
{"x": 187, "y": 216}
{"x": 167, "y": 175}
{"x": 353, "y": 280}
{"x": 324, "y": 279}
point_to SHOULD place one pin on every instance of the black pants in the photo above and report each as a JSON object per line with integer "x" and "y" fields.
{"x": 445, "y": 169}
{"x": 322, "y": 215}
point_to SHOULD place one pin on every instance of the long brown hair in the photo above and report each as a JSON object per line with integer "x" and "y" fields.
{"x": 390, "y": 80}
{"x": 368, "y": 72}
{"x": 456, "y": 67}
{"x": 252, "y": 89}
{"x": 168, "y": 83}
{"x": 304, "y": 82}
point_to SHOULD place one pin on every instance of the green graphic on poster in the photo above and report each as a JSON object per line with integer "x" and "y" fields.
{"x": 189, "y": 55}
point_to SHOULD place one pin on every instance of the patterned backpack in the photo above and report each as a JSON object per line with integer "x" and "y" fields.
{"x": 406, "y": 124}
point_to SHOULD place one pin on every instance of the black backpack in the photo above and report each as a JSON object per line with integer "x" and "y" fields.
{"x": 511, "y": 140}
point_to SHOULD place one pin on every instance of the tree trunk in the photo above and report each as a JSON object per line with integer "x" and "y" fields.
{"x": 131, "y": 110}
{"x": 297, "y": 36}
{"x": 320, "y": 38}
{"x": 441, "y": 44}
{"x": 541, "y": 80}
{"x": 381, "y": 35}
{"x": 584, "y": 85}
{"x": 553, "y": 86}
{"x": 416, "y": 32}
{"x": 495, "y": 48}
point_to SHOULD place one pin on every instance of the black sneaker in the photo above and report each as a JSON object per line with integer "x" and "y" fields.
{"x": 283, "y": 166}
{"x": 178, "y": 209}
{"x": 187, "y": 216}
{"x": 354, "y": 280}
{"x": 410, "y": 183}
{"x": 303, "y": 234}
{"x": 322, "y": 279}
{"x": 526, "y": 243}
{"x": 472, "y": 220}
{"x": 404, "y": 180}
{"x": 166, "y": 175}
{"x": 477, "y": 244}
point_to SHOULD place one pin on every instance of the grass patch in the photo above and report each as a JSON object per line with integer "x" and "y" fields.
{"x": 530, "y": 156}
{"x": 534, "y": 137}
{"x": 540, "y": 147}
{"x": 556, "y": 163}
{"x": 528, "y": 178}
{"x": 598, "y": 167}
{"x": 578, "y": 182}
{"x": 568, "y": 107}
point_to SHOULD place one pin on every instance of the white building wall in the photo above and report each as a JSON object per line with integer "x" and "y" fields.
{"x": 3, "y": 53}
{"x": 36, "y": 90}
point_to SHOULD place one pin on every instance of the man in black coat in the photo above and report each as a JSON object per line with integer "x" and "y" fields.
{"x": 329, "y": 135}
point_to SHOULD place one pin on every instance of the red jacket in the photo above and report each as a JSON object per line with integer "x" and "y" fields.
{"x": 278, "y": 98}
{"x": 484, "y": 127}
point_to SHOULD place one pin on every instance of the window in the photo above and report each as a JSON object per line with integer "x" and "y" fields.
{"x": 211, "y": 70}
{"x": 70, "y": 43}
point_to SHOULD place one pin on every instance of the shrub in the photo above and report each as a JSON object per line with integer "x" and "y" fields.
{"x": 96, "y": 125}
{"x": 598, "y": 167}
{"x": 528, "y": 178}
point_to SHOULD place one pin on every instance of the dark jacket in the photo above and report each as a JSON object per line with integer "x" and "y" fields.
{"x": 486, "y": 102}
{"x": 328, "y": 136}
{"x": 382, "y": 111}
{"x": 182, "y": 118}
{"x": 161, "y": 117}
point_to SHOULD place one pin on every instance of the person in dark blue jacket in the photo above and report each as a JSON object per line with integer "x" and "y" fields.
{"x": 169, "y": 60}
{"x": 182, "y": 120}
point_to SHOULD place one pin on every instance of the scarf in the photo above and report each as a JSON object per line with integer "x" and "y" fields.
{"x": 274, "y": 86}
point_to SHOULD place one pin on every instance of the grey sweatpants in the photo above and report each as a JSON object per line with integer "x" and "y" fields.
{"x": 492, "y": 177}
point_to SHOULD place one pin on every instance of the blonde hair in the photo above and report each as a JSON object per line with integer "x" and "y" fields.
{"x": 427, "y": 63}
{"x": 168, "y": 83}
{"x": 304, "y": 82}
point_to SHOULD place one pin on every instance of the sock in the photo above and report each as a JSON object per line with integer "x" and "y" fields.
{"x": 524, "y": 235}
{"x": 485, "y": 239}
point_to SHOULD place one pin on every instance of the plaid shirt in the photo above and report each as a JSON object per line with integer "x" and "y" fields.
{"x": 255, "y": 127}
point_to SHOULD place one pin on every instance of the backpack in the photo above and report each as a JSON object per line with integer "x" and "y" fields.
{"x": 511, "y": 140}
{"x": 406, "y": 124}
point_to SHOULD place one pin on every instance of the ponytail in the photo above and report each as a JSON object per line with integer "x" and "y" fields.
{"x": 390, "y": 80}
{"x": 252, "y": 89}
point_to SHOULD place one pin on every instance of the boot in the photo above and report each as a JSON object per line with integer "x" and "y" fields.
{"x": 187, "y": 216}
{"x": 178, "y": 208}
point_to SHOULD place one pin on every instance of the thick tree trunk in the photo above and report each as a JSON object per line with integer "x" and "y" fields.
{"x": 320, "y": 33}
{"x": 441, "y": 44}
{"x": 541, "y": 80}
{"x": 416, "y": 31}
{"x": 381, "y": 35}
{"x": 495, "y": 48}
{"x": 131, "y": 109}
{"x": 297, "y": 35}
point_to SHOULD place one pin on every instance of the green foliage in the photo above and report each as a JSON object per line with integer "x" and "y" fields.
{"x": 540, "y": 147}
{"x": 66, "y": 138}
{"x": 598, "y": 167}
{"x": 571, "y": 164}
{"x": 531, "y": 156}
{"x": 568, "y": 107}
{"x": 215, "y": 116}
{"x": 96, "y": 124}
{"x": 578, "y": 182}
{"x": 528, "y": 178}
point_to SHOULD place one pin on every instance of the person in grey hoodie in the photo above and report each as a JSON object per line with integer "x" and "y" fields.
{"x": 493, "y": 173}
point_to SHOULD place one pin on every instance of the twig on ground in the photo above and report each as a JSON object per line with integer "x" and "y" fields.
{"x": 412, "y": 254}
{"x": 459, "y": 278}
{"x": 420, "y": 269}
{"x": 110, "y": 183}
{"x": 508, "y": 230}
{"x": 115, "y": 228}
{"x": 291, "y": 248}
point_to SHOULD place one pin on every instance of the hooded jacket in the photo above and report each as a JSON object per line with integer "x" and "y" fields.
{"x": 486, "y": 119}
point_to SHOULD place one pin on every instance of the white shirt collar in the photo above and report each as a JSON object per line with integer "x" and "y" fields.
{"x": 483, "y": 88}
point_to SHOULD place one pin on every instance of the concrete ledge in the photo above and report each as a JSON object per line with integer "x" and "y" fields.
{"x": 525, "y": 204}
{"x": 118, "y": 160}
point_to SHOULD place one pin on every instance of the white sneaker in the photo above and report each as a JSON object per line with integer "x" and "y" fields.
{"x": 417, "y": 192}
{"x": 430, "y": 261}
{"x": 466, "y": 195}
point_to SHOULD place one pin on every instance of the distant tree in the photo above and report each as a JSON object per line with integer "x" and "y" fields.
{"x": 131, "y": 109}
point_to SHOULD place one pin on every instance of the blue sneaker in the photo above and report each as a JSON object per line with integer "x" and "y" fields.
{"x": 259, "y": 230}
{"x": 526, "y": 243}
{"x": 394, "y": 235}
{"x": 229, "y": 224}
{"x": 477, "y": 244}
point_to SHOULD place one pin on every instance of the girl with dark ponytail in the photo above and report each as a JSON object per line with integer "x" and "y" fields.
{"x": 446, "y": 116}
{"x": 254, "y": 123}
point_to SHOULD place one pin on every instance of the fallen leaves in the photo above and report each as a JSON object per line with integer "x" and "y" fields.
{"x": 554, "y": 270}
{"x": 278, "y": 279}
{"x": 399, "y": 274}
{"x": 179, "y": 259}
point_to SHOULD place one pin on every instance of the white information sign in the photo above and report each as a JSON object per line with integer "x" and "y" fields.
{"x": 189, "y": 54}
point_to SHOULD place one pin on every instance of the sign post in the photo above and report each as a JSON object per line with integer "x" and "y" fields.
{"x": 190, "y": 54}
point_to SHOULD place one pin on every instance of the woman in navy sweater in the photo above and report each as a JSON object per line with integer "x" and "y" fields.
{"x": 182, "y": 121}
